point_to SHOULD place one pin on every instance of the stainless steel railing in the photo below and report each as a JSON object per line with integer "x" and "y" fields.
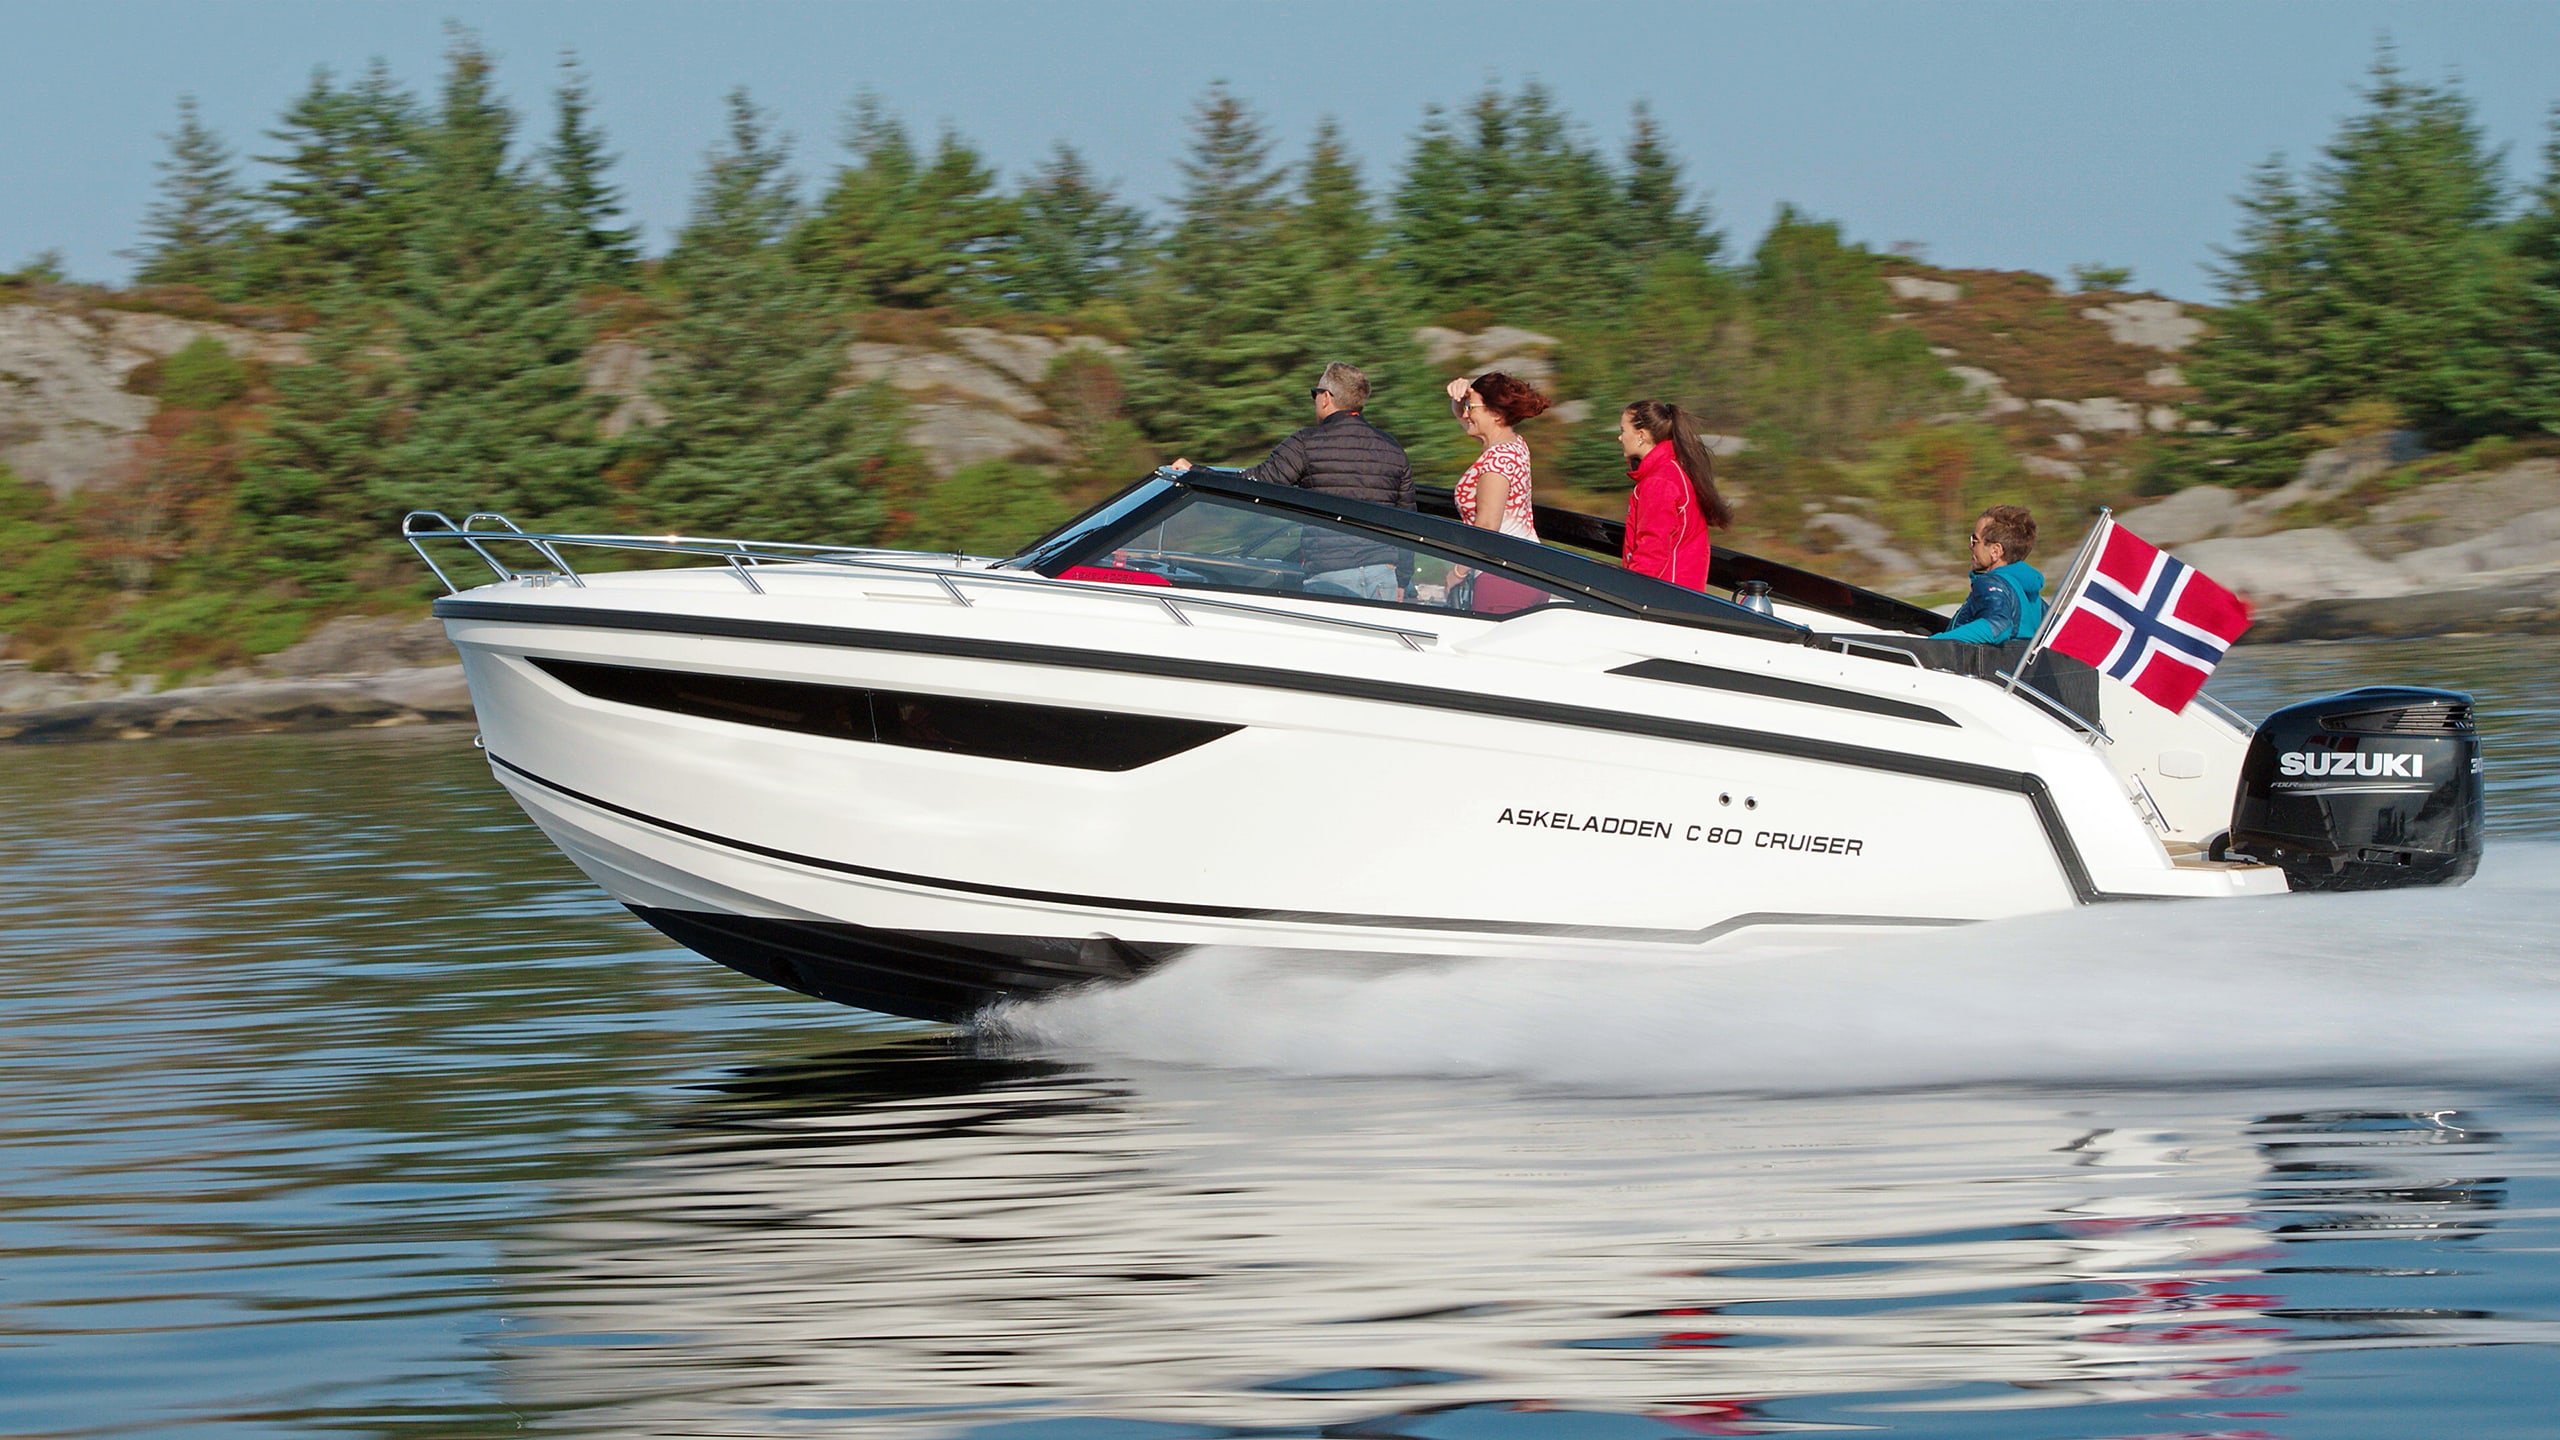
{"x": 741, "y": 558}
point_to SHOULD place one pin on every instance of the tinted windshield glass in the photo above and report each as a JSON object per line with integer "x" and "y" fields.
{"x": 1212, "y": 543}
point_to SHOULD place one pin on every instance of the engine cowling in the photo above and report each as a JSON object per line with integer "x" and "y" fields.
{"x": 2365, "y": 789}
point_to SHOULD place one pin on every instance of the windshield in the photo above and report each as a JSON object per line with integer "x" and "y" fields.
{"x": 1210, "y": 542}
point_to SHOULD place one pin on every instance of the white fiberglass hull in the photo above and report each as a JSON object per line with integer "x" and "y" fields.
{"x": 1465, "y": 788}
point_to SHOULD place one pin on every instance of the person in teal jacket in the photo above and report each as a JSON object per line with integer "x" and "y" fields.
{"x": 2007, "y": 602}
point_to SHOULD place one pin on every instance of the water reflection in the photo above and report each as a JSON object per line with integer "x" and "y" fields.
{"x": 1003, "y": 1241}
{"x": 332, "y": 1101}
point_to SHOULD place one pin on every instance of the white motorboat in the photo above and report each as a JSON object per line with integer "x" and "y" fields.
{"x": 922, "y": 783}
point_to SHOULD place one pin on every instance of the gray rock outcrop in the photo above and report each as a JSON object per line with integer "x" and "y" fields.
{"x": 1507, "y": 348}
{"x": 2295, "y": 565}
{"x": 2477, "y": 553}
{"x": 1987, "y": 390}
{"x": 67, "y": 421}
{"x": 975, "y": 402}
{"x": 621, "y": 368}
{"x": 1869, "y": 541}
{"x": 2186, "y": 517}
{"x": 2099, "y": 414}
{"x": 1914, "y": 287}
{"x": 2152, "y": 324}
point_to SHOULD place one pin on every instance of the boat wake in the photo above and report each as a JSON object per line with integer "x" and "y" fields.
{"x": 2406, "y": 984}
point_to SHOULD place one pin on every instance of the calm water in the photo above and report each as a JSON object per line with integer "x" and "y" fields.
{"x": 333, "y": 1102}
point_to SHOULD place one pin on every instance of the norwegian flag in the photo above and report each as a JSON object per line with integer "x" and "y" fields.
{"x": 2156, "y": 623}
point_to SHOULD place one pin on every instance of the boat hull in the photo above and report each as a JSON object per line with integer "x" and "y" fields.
{"x": 927, "y": 976}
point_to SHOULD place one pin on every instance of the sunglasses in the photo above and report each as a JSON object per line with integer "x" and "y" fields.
{"x": 1317, "y": 393}
{"x": 1461, "y": 404}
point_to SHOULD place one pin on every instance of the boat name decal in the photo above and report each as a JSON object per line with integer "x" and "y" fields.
{"x": 2352, "y": 762}
{"x": 1650, "y": 829}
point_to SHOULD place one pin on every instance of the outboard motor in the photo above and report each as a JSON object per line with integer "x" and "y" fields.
{"x": 2374, "y": 787}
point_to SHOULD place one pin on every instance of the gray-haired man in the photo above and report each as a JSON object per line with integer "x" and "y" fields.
{"x": 1343, "y": 454}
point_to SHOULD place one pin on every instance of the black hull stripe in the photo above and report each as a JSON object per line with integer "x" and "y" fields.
{"x": 1710, "y": 677}
{"x": 2066, "y": 852}
{"x": 1227, "y": 912}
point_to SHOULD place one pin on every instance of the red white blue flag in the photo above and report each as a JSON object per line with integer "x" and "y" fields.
{"x": 2152, "y": 621}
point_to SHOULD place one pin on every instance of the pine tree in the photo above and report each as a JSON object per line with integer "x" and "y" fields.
{"x": 304, "y": 482}
{"x": 1349, "y": 309}
{"x": 899, "y": 230}
{"x": 492, "y": 343}
{"x": 1828, "y": 370}
{"x": 1077, "y": 244}
{"x": 588, "y": 208}
{"x": 2415, "y": 310}
{"x": 1660, "y": 222}
{"x": 456, "y": 382}
{"x": 345, "y": 200}
{"x": 1437, "y": 212}
{"x": 2535, "y": 242}
{"x": 1575, "y": 246}
{"x": 1221, "y": 367}
{"x": 2387, "y": 283}
{"x": 1334, "y": 220}
{"x": 200, "y": 226}
{"x": 1512, "y": 213}
{"x": 757, "y": 438}
{"x": 2259, "y": 371}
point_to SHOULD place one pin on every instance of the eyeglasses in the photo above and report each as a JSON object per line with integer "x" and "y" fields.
{"x": 1317, "y": 393}
{"x": 1459, "y": 405}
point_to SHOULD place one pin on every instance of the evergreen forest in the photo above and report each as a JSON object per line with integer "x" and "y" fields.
{"x": 452, "y": 266}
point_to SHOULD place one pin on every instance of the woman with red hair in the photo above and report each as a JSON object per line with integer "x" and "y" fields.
{"x": 1674, "y": 506}
{"x": 1494, "y": 493}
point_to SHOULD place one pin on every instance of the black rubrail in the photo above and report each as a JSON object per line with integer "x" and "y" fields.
{"x": 990, "y": 729}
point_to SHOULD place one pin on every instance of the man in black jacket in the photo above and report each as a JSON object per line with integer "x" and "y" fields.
{"x": 1343, "y": 454}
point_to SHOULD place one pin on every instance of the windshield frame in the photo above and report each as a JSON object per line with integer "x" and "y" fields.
{"x": 1580, "y": 579}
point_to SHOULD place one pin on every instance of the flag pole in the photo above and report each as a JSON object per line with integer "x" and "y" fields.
{"x": 2063, "y": 597}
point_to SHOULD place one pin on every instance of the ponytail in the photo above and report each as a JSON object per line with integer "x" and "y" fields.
{"x": 1667, "y": 424}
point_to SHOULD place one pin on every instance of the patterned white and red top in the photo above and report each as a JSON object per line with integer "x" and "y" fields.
{"x": 1509, "y": 463}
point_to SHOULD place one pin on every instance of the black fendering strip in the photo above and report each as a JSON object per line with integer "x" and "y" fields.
{"x": 1226, "y": 912}
{"x": 1699, "y": 732}
{"x": 1778, "y": 687}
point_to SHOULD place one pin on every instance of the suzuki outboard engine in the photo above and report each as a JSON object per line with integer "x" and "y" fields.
{"x": 2375, "y": 787}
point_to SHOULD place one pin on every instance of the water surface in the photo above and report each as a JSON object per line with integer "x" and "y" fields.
{"x": 337, "y": 1103}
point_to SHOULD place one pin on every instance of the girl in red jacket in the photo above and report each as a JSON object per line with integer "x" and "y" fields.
{"x": 1674, "y": 505}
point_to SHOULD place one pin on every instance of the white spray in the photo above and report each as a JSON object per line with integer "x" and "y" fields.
{"x": 2435, "y": 983}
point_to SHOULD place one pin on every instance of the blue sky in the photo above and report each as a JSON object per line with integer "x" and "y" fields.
{"x": 2035, "y": 135}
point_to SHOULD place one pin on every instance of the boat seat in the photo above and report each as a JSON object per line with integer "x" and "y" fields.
{"x": 2071, "y": 683}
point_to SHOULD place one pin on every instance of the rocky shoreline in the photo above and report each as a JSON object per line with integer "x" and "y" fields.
{"x": 355, "y": 672}
{"x": 396, "y": 697}
{"x": 2362, "y": 545}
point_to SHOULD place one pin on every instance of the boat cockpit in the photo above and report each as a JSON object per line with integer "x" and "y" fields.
{"x": 1214, "y": 529}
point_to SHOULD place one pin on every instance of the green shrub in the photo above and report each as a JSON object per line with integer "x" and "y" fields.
{"x": 205, "y": 375}
{"x": 990, "y": 508}
{"x": 2491, "y": 452}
